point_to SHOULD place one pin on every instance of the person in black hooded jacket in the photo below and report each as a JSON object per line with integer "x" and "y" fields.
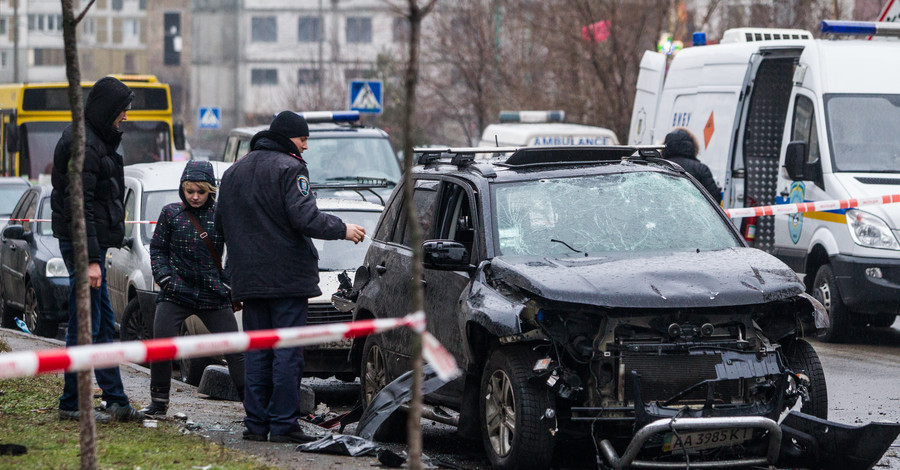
{"x": 103, "y": 181}
{"x": 188, "y": 276}
{"x": 268, "y": 215}
{"x": 681, "y": 148}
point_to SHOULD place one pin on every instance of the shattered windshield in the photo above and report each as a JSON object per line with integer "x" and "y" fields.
{"x": 630, "y": 212}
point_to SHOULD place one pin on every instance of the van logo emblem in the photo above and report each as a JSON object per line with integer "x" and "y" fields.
{"x": 795, "y": 221}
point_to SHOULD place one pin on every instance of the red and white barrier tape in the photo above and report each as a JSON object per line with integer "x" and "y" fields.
{"x": 48, "y": 220}
{"x": 98, "y": 356}
{"x": 780, "y": 209}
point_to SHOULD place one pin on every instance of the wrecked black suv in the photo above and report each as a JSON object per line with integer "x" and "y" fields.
{"x": 599, "y": 294}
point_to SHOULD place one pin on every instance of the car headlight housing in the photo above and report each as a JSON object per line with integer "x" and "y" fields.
{"x": 869, "y": 230}
{"x": 56, "y": 267}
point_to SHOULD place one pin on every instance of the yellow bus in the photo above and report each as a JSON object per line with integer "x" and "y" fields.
{"x": 33, "y": 116}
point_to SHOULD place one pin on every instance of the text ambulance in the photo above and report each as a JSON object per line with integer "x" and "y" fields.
{"x": 783, "y": 118}
{"x": 542, "y": 129}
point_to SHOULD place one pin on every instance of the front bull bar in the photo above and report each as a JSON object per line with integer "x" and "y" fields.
{"x": 627, "y": 460}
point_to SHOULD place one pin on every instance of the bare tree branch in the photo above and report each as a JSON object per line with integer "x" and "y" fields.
{"x": 83, "y": 12}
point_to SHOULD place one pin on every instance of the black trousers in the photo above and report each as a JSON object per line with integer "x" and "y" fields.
{"x": 169, "y": 318}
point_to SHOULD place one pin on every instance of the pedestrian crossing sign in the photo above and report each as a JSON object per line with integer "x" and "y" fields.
{"x": 366, "y": 96}
{"x": 210, "y": 118}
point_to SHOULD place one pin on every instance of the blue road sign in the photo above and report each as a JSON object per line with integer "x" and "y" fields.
{"x": 210, "y": 118}
{"x": 366, "y": 96}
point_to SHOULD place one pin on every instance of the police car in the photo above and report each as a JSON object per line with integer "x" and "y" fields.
{"x": 344, "y": 158}
{"x": 542, "y": 129}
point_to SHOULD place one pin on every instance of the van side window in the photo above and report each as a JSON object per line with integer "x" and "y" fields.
{"x": 804, "y": 126}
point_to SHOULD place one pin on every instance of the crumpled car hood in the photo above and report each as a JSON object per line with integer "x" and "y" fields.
{"x": 733, "y": 276}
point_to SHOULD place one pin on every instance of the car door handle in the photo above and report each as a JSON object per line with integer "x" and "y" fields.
{"x": 381, "y": 268}
{"x": 12, "y": 246}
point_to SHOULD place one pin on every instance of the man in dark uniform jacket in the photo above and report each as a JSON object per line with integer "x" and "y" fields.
{"x": 268, "y": 216}
{"x": 681, "y": 148}
{"x": 103, "y": 181}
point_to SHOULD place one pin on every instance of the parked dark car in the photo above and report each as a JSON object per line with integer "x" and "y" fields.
{"x": 598, "y": 294}
{"x": 34, "y": 282}
{"x": 11, "y": 189}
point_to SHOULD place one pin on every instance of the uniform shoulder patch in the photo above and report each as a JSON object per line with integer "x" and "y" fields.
{"x": 303, "y": 185}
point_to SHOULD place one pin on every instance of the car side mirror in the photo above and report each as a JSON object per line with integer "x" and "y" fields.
{"x": 16, "y": 232}
{"x": 795, "y": 162}
{"x": 445, "y": 255}
{"x": 178, "y": 135}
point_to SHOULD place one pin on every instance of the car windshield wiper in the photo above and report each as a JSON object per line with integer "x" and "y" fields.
{"x": 364, "y": 178}
{"x": 568, "y": 246}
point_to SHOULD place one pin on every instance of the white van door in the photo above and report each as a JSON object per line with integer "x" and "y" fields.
{"x": 646, "y": 98}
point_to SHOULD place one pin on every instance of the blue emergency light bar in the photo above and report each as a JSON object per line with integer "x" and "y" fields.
{"x": 330, "y": 116}
{"x": 532, "y": 116}
{"x": 861, "y": 28}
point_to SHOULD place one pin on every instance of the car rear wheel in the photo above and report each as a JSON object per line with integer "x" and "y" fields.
{"x": 32, "y": 315}
{"x": 802, "y": 359}
{"x": 373, "y": 377}
{"x": 825, "y": 290}
{"x": 513, "y": 429}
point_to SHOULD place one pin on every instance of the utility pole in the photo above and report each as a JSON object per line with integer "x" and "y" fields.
{"x": 320, "y": 37}
{"x": 15, "y": 31}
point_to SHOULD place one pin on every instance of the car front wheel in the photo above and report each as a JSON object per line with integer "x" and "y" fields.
{"x": 514, "y": 431}
{"x": 802, "y": 359}
{"x": 373, "y": 377}
{"x": 825, "y": 290}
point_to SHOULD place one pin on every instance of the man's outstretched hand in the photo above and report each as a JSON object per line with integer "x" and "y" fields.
{"x": 355, "y": 233}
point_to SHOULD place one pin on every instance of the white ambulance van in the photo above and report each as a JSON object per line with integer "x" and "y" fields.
{"x": 542, "y": 129}
{"x": 784, "y": 118}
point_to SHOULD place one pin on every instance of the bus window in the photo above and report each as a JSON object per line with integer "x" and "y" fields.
{"x": 144, "y": 142}
{"x": 38, "y": 141}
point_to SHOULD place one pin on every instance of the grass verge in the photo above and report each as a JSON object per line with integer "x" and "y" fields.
{"x": 28, "y": 417}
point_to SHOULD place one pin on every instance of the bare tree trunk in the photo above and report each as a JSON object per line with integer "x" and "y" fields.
{"x": 415, "y": 14}
{"x": 86, "y": 424}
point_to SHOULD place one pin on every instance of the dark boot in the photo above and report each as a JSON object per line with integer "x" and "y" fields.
{"x": 159, "y": 402}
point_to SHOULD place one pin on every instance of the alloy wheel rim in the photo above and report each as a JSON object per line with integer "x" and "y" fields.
{"x": 375, "y": 377}
{"x": 31, "y": 309}
{"x": 824, "y": 296}
{"x": 500, "y": 413}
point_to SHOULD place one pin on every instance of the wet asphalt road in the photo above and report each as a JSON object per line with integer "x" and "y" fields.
{"x": 863, "y": 386}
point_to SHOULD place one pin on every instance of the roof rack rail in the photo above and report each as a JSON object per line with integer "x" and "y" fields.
{"x": 535, "y": 156}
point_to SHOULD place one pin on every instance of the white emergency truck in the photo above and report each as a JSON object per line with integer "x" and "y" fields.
{"x": 783, "y": 118}
{"x": 542, "y": 129}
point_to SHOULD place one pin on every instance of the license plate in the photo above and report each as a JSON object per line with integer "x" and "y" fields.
{"x": 706, "y": 439}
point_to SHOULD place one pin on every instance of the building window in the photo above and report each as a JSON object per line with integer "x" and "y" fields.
{"x": 142, "y": 5}
{"x": 117, "y": 5}
{"x": 2, "y": 25}
{"x": 264, "y": 77}
{"x": 132, "y": 30}
{"x": 49, "y": 57}
{"x": 401, "y": 29}
{"x": 44, "y": 22}
{"x": 307, "y": 77}
{"x": 308, "y": 29}
{"x": 353, "y": 74}
{"x": 88, "y": 26}
{"x": 3, "y": 60}
{"x": 264, "y": 29}
{"x": 359, "y": 29}
{"x": 129, "y": 63}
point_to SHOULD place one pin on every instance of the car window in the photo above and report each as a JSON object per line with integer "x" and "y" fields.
{"x": 243, "y": 148}
{"x": 129, "y": 212}
{"x": 9, "y": 196}
{"x": 455, "y": 216}
{"x": 152, "y": 205}
{"x": 425, "y": 199}
{"x": 338, "y": 255}
{"x": 19, "y": 211}
{"x": 230, "y": 149}
{"x": 622, "y": 212}
{"x": 45, "y": 228}
{"x": 389, "y": 219}
{"x": 30, "y": 211}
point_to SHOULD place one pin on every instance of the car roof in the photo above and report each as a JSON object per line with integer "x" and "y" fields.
{"x": 160, "y": 176}
{"x": 319, "y": 130}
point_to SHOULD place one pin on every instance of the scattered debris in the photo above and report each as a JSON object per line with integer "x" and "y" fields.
{"x": 150, "y": 423}
{"x": 180, "y": 416}
{"x": 340, "y": 444}
{"x": 391, "y": 397}
{"x": 391, "y": 459}
{"x": 12, "y": 449}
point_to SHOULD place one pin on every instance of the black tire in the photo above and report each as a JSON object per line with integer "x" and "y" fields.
{"x": 192, "y": 368}
{"x": 826, "y": 291}
{"x": 132, "y": 328}
{"x": 374, "y": 376}
{"x": 802, "y": 359}
{"x": 32, "y": 315}
{"x": 6, "y": 313}
{"x": 511, "y": 410}
{"x": 882, "y": 320}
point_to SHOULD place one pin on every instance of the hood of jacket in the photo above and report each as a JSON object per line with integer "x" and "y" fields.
{"x": 200, "y": 171}
{"x": 679, "y": 143}
{"x": 268, "y": 140}
{"x": 733, "y": 276}
{"x": 106, "y": 100}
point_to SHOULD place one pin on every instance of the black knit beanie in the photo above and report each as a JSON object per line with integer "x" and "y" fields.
{"x": 289, "y": 124}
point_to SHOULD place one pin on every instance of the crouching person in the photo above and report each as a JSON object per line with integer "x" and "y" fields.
{"x": 185, "y": 254}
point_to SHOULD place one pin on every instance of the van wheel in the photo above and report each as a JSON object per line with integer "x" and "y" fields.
{"x": 802, "y": 359}
{"x": 513, "y": 429}
{"x": 373, "y": 377}
{"x": 825, "y": 290}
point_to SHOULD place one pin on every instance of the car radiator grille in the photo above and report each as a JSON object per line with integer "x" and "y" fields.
{"x": 321, "y": 314}
{"x": 664, "y": 376}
